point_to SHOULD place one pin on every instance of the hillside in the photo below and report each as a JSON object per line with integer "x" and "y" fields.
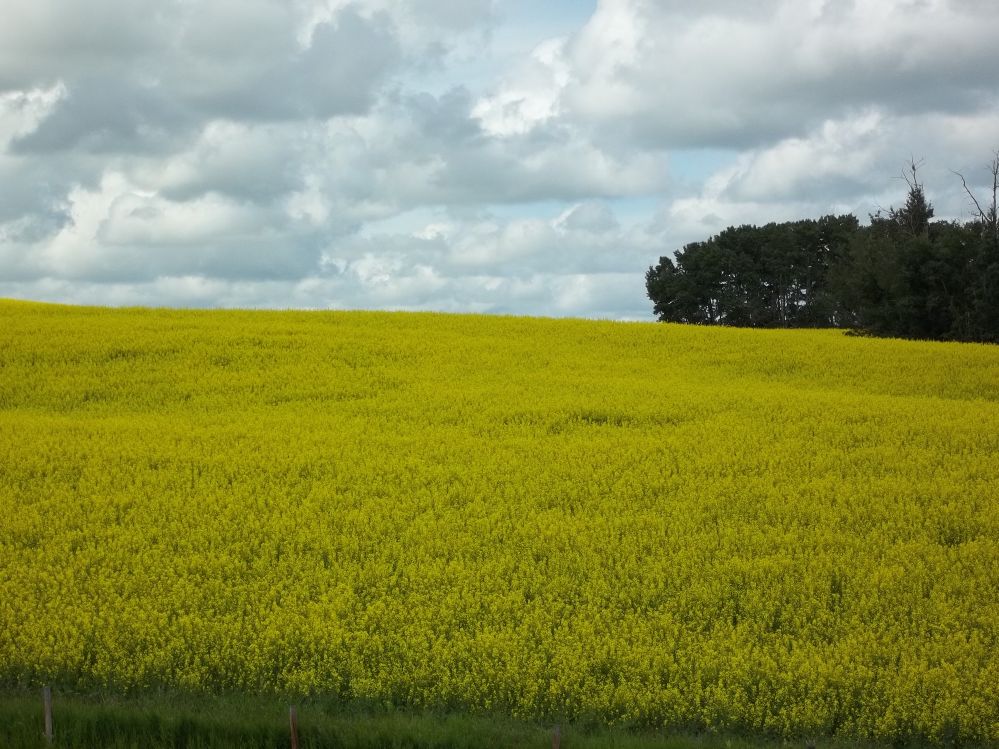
{"x": 791, "y": 533}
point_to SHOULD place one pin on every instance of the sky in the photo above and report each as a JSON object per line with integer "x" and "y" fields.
{"x": 494, "y": 156}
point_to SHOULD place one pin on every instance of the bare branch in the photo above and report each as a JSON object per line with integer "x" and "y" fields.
{"x": 971, "y": 195}
{"x": 994, "y": 166}
{"x": 914, "y": 166}
{"x": 989, "y": 216}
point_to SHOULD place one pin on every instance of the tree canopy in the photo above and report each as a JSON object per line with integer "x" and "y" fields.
{"x": 902, "y": 275}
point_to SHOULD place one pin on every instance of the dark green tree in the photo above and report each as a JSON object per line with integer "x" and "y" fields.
{"x": 771, "y": 276}
{"x": 908, "y": 276}
{"x": 902, "y": 275}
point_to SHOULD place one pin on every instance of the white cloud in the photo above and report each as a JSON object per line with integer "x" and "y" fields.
{"x": 670, "y": 75}
{"x": 591, "y": 216}
{"x": 529, "y": 97}
{"x": 243, "y": 160}
{"x": 21, "y": 111}
{"x": 118, "y": 231}
{"x": 382, "y": 153}
{"x": 852, "y": 165}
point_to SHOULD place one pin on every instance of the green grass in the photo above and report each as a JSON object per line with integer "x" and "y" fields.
{"x": 190, "y": 721}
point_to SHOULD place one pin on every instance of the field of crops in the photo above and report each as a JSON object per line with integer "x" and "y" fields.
{"x": 794, "y": 533}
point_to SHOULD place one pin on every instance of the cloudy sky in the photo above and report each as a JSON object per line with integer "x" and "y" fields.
{"x": 505, "y": 156}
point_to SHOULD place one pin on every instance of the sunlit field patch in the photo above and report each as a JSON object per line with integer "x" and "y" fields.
{"x": 784, "y": 532}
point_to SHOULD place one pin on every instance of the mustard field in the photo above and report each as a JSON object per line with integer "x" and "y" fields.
{"x": 792, "y": 533}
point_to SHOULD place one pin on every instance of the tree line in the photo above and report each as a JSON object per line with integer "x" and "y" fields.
{"x": 902, "y": 275}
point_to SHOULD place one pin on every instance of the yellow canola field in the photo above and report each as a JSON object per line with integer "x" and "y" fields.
{"x": 789, "y": 532}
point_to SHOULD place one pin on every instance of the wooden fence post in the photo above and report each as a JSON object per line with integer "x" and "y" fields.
{"x": 47, "y": 702}
{"x": 293, "y": 717}
{"x": 557, "y": 738}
